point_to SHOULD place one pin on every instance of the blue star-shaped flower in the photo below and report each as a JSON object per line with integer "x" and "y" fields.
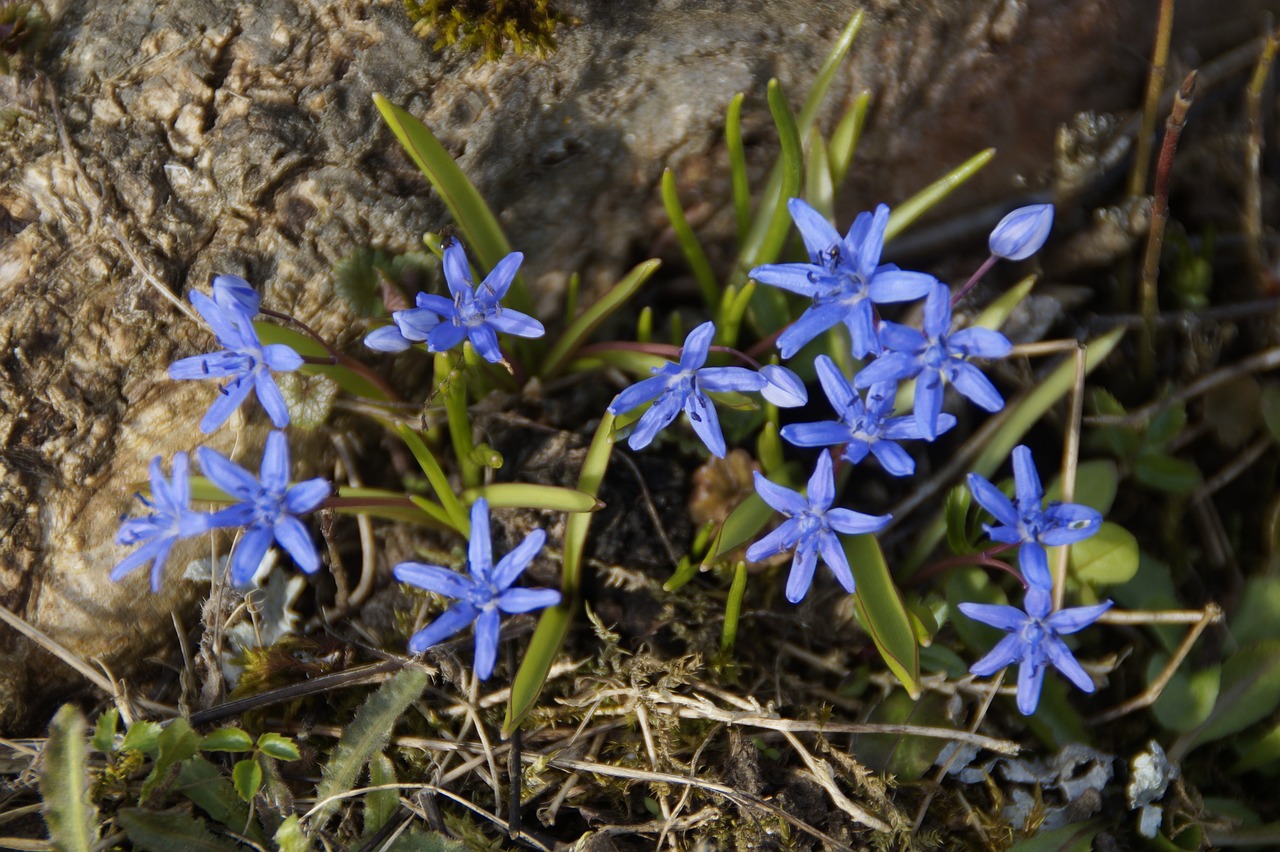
{"x": 936, "y": 357}
{"x": 471, "y": 313}
{"x": 843, "y": 277}
{"x": 482, "y": 595}
{"x": 863, "y": 427}
{"x": 268, "y": 507}
{"x": 1033, "y": 641}
{"x": 243, "y": 359}
{"x": 811, "y": 528}
{"x": 1023, "y": 521}
{"x": 170, "y": 519}
{"x": 678, "y": 386}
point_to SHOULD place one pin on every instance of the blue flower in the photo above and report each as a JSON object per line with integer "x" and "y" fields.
{"x": 1021, "y": 233}
{"x": 482, "y": 595}
{"x": 268, "y": 507}
{"x": 843, "y": 277}
{"x": 1023, "y": 521}
{"x": 243, "y": 359}
{"x": 471, "y": 313}
{"x": 170, "y": 519}
{"x": 863, "y": 427}
{"x": 1033, "y": 641}
{"x": 934, "y": 358}
{"x": 678, "y": 386}
{"x": 811, "y": 528}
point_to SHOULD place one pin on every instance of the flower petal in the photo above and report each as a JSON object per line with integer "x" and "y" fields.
{"x": 1067, "y": 523}
{"x": 293, "y": 536}
{"x": 721, "y": 379}
{"x": 802, "y": 278}
{"x": 445, "y": 336}
{"x": 1034, "y": 562}
{"x": 889, "y": 367}
{"x": 508, "y": 321}
{"x": 228, "y": 400}
{"x": 487, "y": 626}
{"x": 307, "y": 496}
{"x": 818, "y": 234}
{"x": 802, "y": 567}
{"x": 979, "y": 343}
{"x": 782, "y": 499}
{"x": 779, "y": 541}
{"x": 826, "y": 433}
{"x": 833, "y": 554}
{"x": 816, "y": 319}
{"x": 227, "y": 475}
{"x": 1064, "y": 661}
{"x": 1030, "y": 682}
{"x": 928, "y": 403}
{"x": 937, "y": 311}
{"x": 387, "y": 339}
{"x": 1022, "y": 232}
{"x": 485, "y": 341}
{"x": 997, "y": 615}
{"x": 480, "y": 546}
{"x": 850, "y": 522}
{"x": 1027, "y": 480}
{"x": 233, "y": 293}
{"x": 271, "y": 398}
{"x": 249, "y": 552}
{"x": 782, "y": 387}
{"x": 706, "y": 423}
{"x": 993, "y": 500}
{"x": 527, "y": 600}
{"x": 514, "y": 563}
{"x": 434, "y": 578}
{"x": 653, "y": 421}
{"x": 498, "y": 281}
{"x": 822, "y": 483}
{"x": 895, "y": 460}
{"x": 275, "y": 463}
{"x": 897, "y": 285}
{"x": 1006, "y": 652}
{"x": 696, "y": 346}
{"x": 457, "y": 271}
{"x": 450, "y": 622}
{"x": 1066, "y": 621}
{"x": 834, "y": 384}
{"x": 861, "y": 322}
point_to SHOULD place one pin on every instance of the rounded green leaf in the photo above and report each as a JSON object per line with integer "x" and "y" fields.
{"x": 1107, "y": 558}
{"x": 1188, "y": 699}
{"x": 278, "y": 746}
{"x": 227, "y": 739}
{"x": 247, "y": 776}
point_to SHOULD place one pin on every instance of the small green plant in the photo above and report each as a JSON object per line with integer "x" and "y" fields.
{"x": 487, "y": 26}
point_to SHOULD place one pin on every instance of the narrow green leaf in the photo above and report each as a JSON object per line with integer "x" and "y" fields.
{"x": 582, "y": 327}
{"x": 209, "y": 788}
{"x": 844, "y": 139}
{"x": 366, "y": 736}
{"x": 104, "y": 731}
{"x": 553, "y": 625}
{"x": 1250, "y": 691}
{"x": 64, "y": 784}
{"x": 1107, "y": 558}
{"x": 435, "y": 475}
{"x": 738, "y": 167}
{"x": 994, "y": 314}
{"x": 915, "y": 206}
{"x": 278, "y": 746}
{"x": 1258, "y": 752}
{"x": 392, "y": 505}
{"x": 380, "y": 805}
{"x": 818, "y": 189}
{"x": 733, "y": 609}
{"x": 746, "y": 519}
{"x": 346, "y": 378}
{"x": 529, "y": 495}
{"x": 882, "y": 612}
{"x": 778, "y": 223}
{"x": 227, "y": 739}
{"x": 685, "y": 571}
{"x": 290, "y": 837}
{"x": 246, "y": 775}
{"x": 170, "y": 831}
{"x": 830, "y": 65}
{"x": 451, "y": 383}
{"x": 484, "y": 236}
{"x": 689, "y": 244}
{"x": 176, "y": 743}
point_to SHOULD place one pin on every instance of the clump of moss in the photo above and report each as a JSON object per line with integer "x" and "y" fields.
{"x": 23, "y": 29}
{"x": 487, "y": 26}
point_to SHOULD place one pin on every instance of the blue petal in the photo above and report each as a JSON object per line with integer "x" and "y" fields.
{"x": 1038, "y": 601}
{"x": 782, "y": 387}
{"x": 720, "y": 379}
{"x": 901, "y": 338}
{"x": 856, "y": 450}
{"x": 387, "y": 339}
{"x": 228, "y": 400}
{"x": 514, "y": 563}
{"x": 480, "y": 546}
{"x": 818, "y": 234}
{"x": 429, "y": 305}
{"x": 980, "y": 343}
{"x": 1067, "y": 523}
{"x": 513, "y": 322}
{"x": 1030, "y": 682}
{"x": 526, "y": 600}
{"x": 1064, "y": 661}
{"x": 705, "y": 422}
{"x": 833, "y": 554}
{"x": 865, "y": 240}
{"x": 293, "y": 537}
{"x": 445, "y": 336}
{"x": 826, "y": 433}
{"x": 783, "y": 500}
{"x": 801, "y": 278}
{"x": 487, "y": 626}
{"x": 498, "y": 281}
{"x": 1004, "y": 617}
{"x": 485, "y": 341}
{"x": 157, "y": 566}
{"x": 271, "y": 398}
{"x": 638, "y": 394}
{"x": 249, "y": 552}
{"x": 834, "y": 384}
{"x": 696, "y": 346}
{"x": 450, "y": 622}
{"x": 993, "y": 500}
{"x": 215, "y": 365}
{"x": 281, "y": 358}
{"x": 822, "y": 483}
{"x": 889, "y": 367}
{"x": 307, "y": 496}
{"x": 275, "y": 463}
{"x": 780, "y": 540}
{"x": 655, "y": 420}
{"x": 861, "y": 322}
{"x": 928, "y": 403}
{"x": 1007, "y": 651}
{"x": 937, "y": 311}
{"x": 239, "y": 515}
{"x": 895, "y": 460}
{"x": 816, "y": 319}
{"x": 1027, "y": 480}
{"x": 221, "y": 321}
{"x": 970, "y": 382}
{"x": 139, "y": 557}
{"x": 1034, "y": 562}
{"x": 457, "y": 271}
{"x": 233, "y": 293}
{"x": 434, "y": 578}
{"x": 850, "y": 522}
{"x": 415, "y": 324}
{"x": 1066, "y": 621}
{"x": 895, "y": 285}
{"x": 802, "y": 568}
{"x": 228, "y": 475}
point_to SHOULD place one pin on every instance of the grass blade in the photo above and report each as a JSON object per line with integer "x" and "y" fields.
{"x": 844, "y": 139}
{"x": 882, "y": 612}
{"x": 435, "y": 475}
{"x": 582, "y": 327}
{"x": 64, "y": 784}
{"x": 554, "y": 623}
{"x": 915, "y": 206}
{"x": 366, "y": 736}
{"x": 689, "y": 244}
{"x": 738, "y": 167}
{"x": 827, "y": 72}
{"x": 773, "y": 222}
{"x": 733, "y": 609}
{"x": 528, "y": 495}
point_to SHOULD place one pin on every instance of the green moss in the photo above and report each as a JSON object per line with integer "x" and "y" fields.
{"x": 487, "y": 26}
{"x": 23, "y": 29}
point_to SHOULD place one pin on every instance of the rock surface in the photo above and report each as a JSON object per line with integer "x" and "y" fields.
{"x": 169, "y": 141}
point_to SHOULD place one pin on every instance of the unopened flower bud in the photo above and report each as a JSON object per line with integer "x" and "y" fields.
{"x": 1021, "y": 234}
{"x": 782, "y": 387}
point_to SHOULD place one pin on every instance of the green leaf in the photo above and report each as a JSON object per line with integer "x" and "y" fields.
{"x": 380, "y": 805}
{"x": 278, "y": 746}
{"x": 175, "y": 744}
{"x": 956, "y": 513}
{"x": 1077, "y": 837}
{"x": 170, "y": 832}
{"x": 392, "y": 505}
{"x": 366, "y": 736}
{"x": 435, "y": 475}
{"x": 747, "y": 518}
{"x": 1250, "y": 691}
{"x": 417, "y": 840}
{"x": 881, "y": 611}
{"x": 345, "y": 377}
{"x": 1152, "y": 589}
{"x": 738, "y": 166}
{"x": 818, "y": 190}
{"x": 769, "y": 228}
{"x": 143, "y": 736}
{"x": 1258, "y": 617}
{"x": 291, "y": 838}
{"x": 1166, "y": 425}
{"x": 64, "y": 784}
{"x": 247, "y": 777}
{"x": 1097, "y": 482}
{"x": 104, "y": 731}
{"x": 1107, "y": 558}
{"x": 206, "y": 785}
{"x": 689, "y": 244}
{"x": 917, "y": 205}
{"x": 227, "y": 739}
{"x": 553, "y": 625}
{"x": 528, "y": 495}
{"x": 1166, "y": 473}
{"x": 904, "y": 756}
{"x": 827, "y": 73}
{"x": 1270, "y": 404}
{"x": 844, "y": 139}
{"x": 484, "y": 236}
{"x": 590, "y": 319}
{"x": 733, "y": 609}
{"x": 1187, "y": 699}
{"x": 1259, "y": 752}
{"x": 357, "y": 281}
